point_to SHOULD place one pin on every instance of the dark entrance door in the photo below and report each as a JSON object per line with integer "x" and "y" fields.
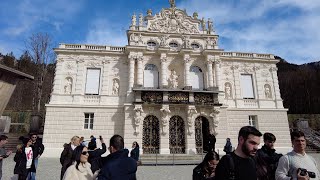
{"x": 177, "y": 135}
{"x": 202, "y": 134}
{"x": 150, "y": 139}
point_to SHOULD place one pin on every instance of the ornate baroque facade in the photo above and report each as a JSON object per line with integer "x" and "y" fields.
{"x": 168, "y": 89}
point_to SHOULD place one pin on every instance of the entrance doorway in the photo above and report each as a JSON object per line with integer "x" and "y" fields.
{"x": 202, "y": 134}
{"x": 177, "y": 135}
{"x": 150, "y": 138}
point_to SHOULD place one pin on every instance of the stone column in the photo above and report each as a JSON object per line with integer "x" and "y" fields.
{"x": 140, "y": 71}
{"x": 131, "y": 73}
{"x": 164, "y": 79}
{"x": 190, "y": 136}
{"x": 164, "y": 132}
{"x": 210, "y": 73}
{"x": 187, "y": 84}
{"x": 218, "y": 72}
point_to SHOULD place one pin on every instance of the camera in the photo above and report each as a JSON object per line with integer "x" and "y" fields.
{"x": 304, "y": 172}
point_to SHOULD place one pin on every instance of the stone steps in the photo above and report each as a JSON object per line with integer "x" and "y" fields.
{"x": 13, "y": 141}
{"x": 171, "y": 159}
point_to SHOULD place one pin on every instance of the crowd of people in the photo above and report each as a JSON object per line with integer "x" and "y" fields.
{"x": 247, "y": 162}
{"x": 82, "y": 160}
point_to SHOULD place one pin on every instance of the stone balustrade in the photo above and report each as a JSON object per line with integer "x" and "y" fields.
{"x": 247, "y": 55}
{"x": 92, "y": 47}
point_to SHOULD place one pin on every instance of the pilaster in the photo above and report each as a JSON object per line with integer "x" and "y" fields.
{"x": 164, "y": 79}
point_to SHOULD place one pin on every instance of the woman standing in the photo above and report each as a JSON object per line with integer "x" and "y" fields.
{"x": 24, "y": 160}
{"x": 66, "y": 155}
{"x": 206, "y": 169}
{"x": 80, "y": 169}
{"x": 135, "y": 151}
{"x": 228, "y": 147}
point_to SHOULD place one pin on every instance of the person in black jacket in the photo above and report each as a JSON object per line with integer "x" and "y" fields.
{"x": 135, "y": 151}
{"x": 206, "y": 169}
{"x": 95, "y": 154}
{"x": 66, "y": 155}
{"x": 38, "y": 150}
{"x": 117, "y": 165}
{"x": 267, "y": 159}
{"x": 24, "y": 160}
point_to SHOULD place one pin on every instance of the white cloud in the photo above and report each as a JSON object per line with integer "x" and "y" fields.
{"x": 268, "y": 26}
{"x": 101, "y": 32}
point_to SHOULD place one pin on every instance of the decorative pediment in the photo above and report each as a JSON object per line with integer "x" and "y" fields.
{"x": 173, "y": 20}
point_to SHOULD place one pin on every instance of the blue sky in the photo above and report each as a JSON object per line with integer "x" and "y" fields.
{"x": 286, "y": 28}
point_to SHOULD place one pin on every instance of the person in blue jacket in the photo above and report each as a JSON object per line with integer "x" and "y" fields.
{"x": 117, "y": 165}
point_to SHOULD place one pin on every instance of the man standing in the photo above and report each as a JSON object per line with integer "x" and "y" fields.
{"x": 267, "y": 158}
{"x": 117, "y": 165}
{"x": 3, "y": 152}
{"x": 289, "y": 164}
{"x": 240, "y": 164}
{"x": 38, "y": 150}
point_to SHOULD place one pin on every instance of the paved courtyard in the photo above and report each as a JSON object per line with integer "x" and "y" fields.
{"x": 49, "y": 169}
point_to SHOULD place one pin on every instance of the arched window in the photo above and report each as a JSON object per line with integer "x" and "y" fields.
{"x": 151, "y": 76}
{"x": 173, "y": 45}
{"x": 195, "y": 46}
{"x": 196, "y": 77}
{"x": 151, "y": 44}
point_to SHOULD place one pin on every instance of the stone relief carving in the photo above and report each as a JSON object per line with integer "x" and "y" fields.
{"x": 173, "y": 21}
{"x": 190, "y": 120}
{"x": 228, "y": 90}
{"x": 186, "y": 41}
{"x": 115, "y": 87}
{"x": 138, "y": 117}
{"x": 267, "y": 91}
{"x": 68, "y": 86}
{"x": 94, "y": 64}
{"x": 136, "y": 39}
{"x": 265, "y": 73}
{"x": 163, "y": 40}
{"x": 165, "y": 112}
{"x": 215, "y": 120}
{"x": 173, "y": 80}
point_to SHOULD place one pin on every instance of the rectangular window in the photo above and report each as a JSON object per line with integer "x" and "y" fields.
{"x": 93, "y": 81}
{"x": 88, "y": 120}
{"x": 253, "y": 121}
{"x": 247, "y": 86}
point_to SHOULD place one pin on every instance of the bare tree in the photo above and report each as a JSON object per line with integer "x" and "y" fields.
{"x": 39, "y": 47}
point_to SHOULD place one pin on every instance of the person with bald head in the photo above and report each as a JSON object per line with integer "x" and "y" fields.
{"x": 66, "y": 155}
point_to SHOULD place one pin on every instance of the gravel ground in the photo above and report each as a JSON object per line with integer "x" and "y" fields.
{"x": 49, "y": 169}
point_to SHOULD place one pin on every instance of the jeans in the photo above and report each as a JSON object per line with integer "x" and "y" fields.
{"x": 33, "y": 174}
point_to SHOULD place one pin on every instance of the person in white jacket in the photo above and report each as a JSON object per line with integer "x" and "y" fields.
{"x": 289, "y": 167}
{"x": 80, "y": 169}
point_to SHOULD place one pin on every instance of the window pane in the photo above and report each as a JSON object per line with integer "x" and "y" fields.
{"x": 93, "y": 81}
{"x": 86, "y": 120}
{"x": 86, "y": 115}
{"x": 91, "y": 126}
{"x": 92, "y": 115}
{"x": 85, "y": 126}
{"x": 247, "y": 86}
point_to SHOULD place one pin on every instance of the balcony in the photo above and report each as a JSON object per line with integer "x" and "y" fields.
{"x": 176, "y": 96}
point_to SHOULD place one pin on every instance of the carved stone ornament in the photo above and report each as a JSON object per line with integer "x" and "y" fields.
{"x": 173, "y": 20}
{"x": 136, "y": 39}
{"x": 138, "y": 118}
{"x": 165, "y": 117}
{"x": 115, "y": 87}
{"x": 173, "y": 80}
{"x": 93, "y": 64}
{"x": 68, "y": 86}
{"x": 265, "y": 73}
{"x": 163, "y": 40}
{"x": 190, "y": 120}
{"x": 215, "y": 120}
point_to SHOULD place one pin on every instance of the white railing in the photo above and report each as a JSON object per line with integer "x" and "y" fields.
{"x": 247, "y": 55}
{"x": 250, "y": 103}
{"x": 92, "y": 47}
{"x": 91, "y": 99}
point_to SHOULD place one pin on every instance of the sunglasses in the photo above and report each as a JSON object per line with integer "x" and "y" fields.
{"x": 85, "y": 153}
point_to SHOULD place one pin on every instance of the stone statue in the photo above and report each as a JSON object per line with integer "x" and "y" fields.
{"x": 267, "y": 92}
{"x": 210, "y": 26}
{"x": 149, "y": 12}
{"x": 190, "y": 120}
{"x": 215, "y": 120}
{"x": 227, "y": 91}
{"x": 140, "y": 19}
{"x": 138, "y": 117}
{"x": 165, "y": 117}
{"x": 163, "y": 40}
{"x": 68, "y": 86}
{"x": 203, "y": 24}
{"x": 173, "y": 79}
{"x": 172, "y": 3}
{"x": 134, "y": 20}
{"x": 115, "y": 87}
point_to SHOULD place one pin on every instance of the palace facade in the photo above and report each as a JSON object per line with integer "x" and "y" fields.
{"x": 168, "y": 89}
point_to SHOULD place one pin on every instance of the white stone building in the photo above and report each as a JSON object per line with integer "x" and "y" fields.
{"x": 168, "y": 89}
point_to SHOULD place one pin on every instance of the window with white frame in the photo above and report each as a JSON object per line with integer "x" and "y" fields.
{"x": 93, "y": 81}
{"x": 88, "y": 120}
{"x": 253, "y": 121}
{"x": 151, "y": 76}
{"x": 247, "y": 86}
